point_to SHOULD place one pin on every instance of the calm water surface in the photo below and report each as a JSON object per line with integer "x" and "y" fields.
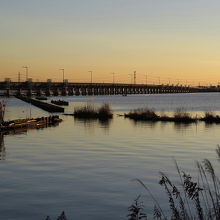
{"x": 86, "y": 167}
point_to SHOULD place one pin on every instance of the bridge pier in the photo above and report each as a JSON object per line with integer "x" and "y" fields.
{"x": 48, "y": 92}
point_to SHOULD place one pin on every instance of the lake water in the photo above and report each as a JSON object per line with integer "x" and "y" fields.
{"x": 87, "y": 168}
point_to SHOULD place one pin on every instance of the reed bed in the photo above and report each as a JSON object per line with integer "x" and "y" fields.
{"x": 210, "y": 117}
{"x": 191, "y": 200}
{"x": 91, "y": 112}
{"x": 179, "y": 116}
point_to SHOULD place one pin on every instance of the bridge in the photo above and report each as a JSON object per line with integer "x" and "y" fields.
{"x": 75, "y": 89}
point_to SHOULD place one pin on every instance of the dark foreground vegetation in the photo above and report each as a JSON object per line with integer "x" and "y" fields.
{"x": 188, "y": 200}
{"x": 60, "y": 217}
{"x": 92, "y": 112}
{"x": 179, "y": 116}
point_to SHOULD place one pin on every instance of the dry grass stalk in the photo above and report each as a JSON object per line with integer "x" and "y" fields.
{"x": 196, "y": 199}
{"x": 89, "y": 111}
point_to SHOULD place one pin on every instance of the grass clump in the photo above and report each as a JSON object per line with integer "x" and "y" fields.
{"x": 179, "y": 116}
{"x": 191, "y": 200}
{"x": 182, "y": 116}
{"x": 136, "y": 210}
{"x": 91, "y": 112}
{"x": 143, "y": 114}
{"x": 210, "y": 117}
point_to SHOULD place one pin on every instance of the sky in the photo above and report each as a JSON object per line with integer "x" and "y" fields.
{"x": 164, "y": 41}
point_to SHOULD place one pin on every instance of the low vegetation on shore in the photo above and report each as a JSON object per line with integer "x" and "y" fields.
{"x": 91, "y": 112}
{"x": 180, "y": 116}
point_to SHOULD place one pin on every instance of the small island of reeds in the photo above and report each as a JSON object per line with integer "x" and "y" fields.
{"x": 92, "y": 112}
{"x": 179, "y": 116}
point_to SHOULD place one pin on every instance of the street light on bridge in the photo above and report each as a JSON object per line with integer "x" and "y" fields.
{"x": 26, "y": 67}
{"x": 113, "y": 77}
{"x": 131, "y": 75}
{"x": 90, "y": 75}
{"x": 63, "y": 74}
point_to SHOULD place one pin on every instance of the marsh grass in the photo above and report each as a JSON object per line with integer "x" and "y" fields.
{"x": 179, "y": 116}
{"x": 191, "y": 200}
{"x": 143, "y": 114}
{"x": 136, "y": 210}
{"x": 210, "y": 117}
{"x": 91, "y": 112}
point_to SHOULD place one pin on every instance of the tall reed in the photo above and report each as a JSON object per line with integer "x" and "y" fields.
{"x": 89, "y": 111}
{"x": 193, "y": 199}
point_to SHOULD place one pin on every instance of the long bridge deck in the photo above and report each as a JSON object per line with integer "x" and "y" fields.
{"x": 76, "y": 89}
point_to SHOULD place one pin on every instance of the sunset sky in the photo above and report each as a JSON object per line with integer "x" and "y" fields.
{"x": 169, "y": 40}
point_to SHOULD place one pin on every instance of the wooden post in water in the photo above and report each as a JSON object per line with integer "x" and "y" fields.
{"x": 2, "y": 111}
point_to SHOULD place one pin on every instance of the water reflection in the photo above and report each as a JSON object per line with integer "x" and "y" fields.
{"x": 150, "y": 124}
{"x": 163, "y": 125}
{"x": 2, "y": 147}
{"x": 182, "y": 126}
{"x": 92, "y": 123}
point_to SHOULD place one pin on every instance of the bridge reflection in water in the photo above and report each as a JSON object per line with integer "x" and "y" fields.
{"x": 76, "y": 89}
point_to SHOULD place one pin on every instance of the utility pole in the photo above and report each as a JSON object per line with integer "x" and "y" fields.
{"x": 63, "y": 74}
{"x": 130, "y": 76}
{"x": 19, "y": 77}
{"x": 146, "y": 78}
{"x": 135, "y": 77}
{"x": 25, "y": 67}
{"x": 159, "y": 80}
{"x": 90, "y": 76}
{"x": 113, "y": 79}
{"x": 168, "y": 81}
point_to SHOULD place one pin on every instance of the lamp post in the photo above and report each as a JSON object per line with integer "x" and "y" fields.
{"x": 25, "y": 67}
{"x": 159, "y": 80}
{"x": 135, "y": 73}
{"x": 63, "y": 74}
{"x": 113, "y": 78}
{"x": 130, "y": 76}
{"x": 90, "y": 76}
